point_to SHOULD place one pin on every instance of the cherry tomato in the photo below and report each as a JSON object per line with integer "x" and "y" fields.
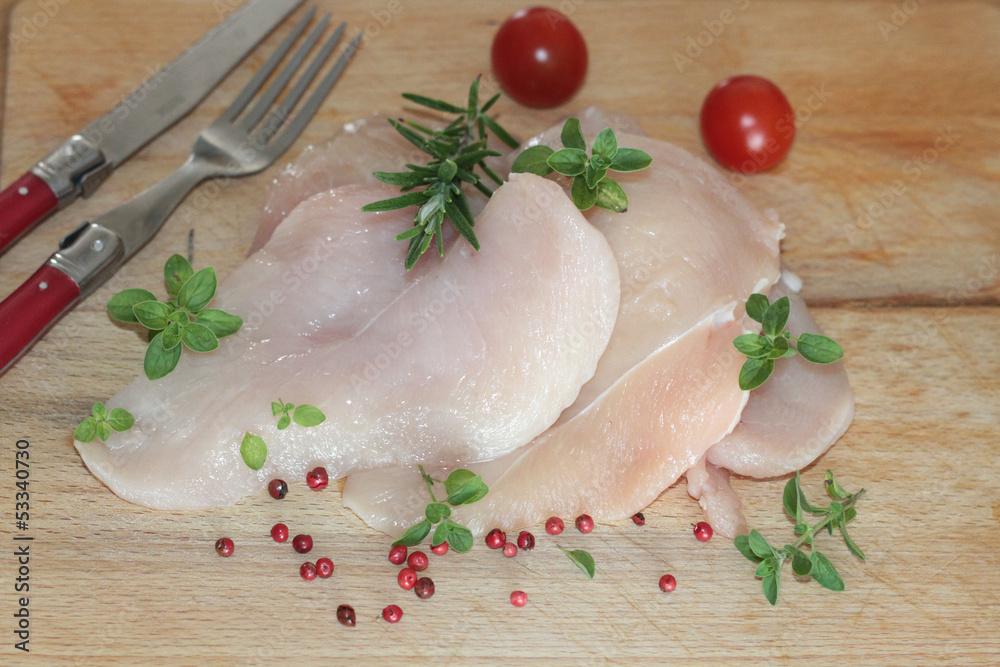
{"x": 747, "y": 124}
{"x": 539, "y": 57}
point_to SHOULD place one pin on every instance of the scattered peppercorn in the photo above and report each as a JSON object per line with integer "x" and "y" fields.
{"x": 324, "y": 568}
{"x": 525, "y": 540}
{"x": 509, "y": 549}
{"x": 345, "y": 614}
{"x": 440, "y": 549}
{"x": 424, "y": 588}
{"x": 392, "y": 613}
{"x": 703, "y": 531}
{"x": 279, "y": 532}
{"x": 519, "y": 598}
{"x": 496, "y": 538}
{"x": 302, "y": 543}
{"x": 418, "y": 561}
{"x": 397, "y": 554}
{"x": 667, "y": 583}
{"x": 317, "y": 478}
{"x": 639, "y": 518}
{"x": 277, "y": 488}
{"x": 407, "y": 578}
{"x": 308, "y": 571}
{"x": 554, "y": 525}
{"x": 584, "y": 523}
{"x": 224, "y": 546}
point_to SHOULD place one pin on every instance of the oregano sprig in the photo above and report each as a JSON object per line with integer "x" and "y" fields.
{"x": 815, "y": 564}
{"x": 774, "y": 342}
{"x": 463, "y": 487}
{"x": 591, "y": 184}
{"x": 303, "y": 415}
{"x": 436, "y": 187}
{"x": 101, "y": 423}
{"x": 181, "y": 321}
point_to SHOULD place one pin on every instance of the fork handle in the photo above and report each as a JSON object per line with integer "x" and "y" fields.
{"x": 25, "y": 202}
{"x": 32, "y": 309}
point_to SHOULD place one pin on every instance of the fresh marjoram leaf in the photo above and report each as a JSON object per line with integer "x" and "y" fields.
{"x": 101, "y": 423}
{"x": 308, "y": 415}
{"x": 415, "y": 534}
{"x": 583, "y": 560}
{"x": 254, "y": 451}
{"x": 463, "y": 487}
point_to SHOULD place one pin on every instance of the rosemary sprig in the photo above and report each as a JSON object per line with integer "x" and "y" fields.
{"x": 775, "y": 343}
{"x": 436, "y": 187}
{"x": 769, "y": 559}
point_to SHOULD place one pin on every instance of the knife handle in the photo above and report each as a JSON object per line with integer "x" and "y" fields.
{"x": 26, "y": 201}
{"x": 32, "y": 309}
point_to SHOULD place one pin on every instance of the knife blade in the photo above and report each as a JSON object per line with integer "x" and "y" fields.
{"x": 80, "y": 164}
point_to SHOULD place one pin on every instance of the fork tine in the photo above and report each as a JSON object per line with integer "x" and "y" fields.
{"x": 262, "y": 105}
{"x": 283, "y": 110}
{"x": 265, "y": 71}
{"x": 293, "y": 129}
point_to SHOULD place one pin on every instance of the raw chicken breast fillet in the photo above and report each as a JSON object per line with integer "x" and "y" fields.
{"x": 463, "y": 359}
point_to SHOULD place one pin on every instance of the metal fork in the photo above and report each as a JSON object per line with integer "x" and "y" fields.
{"x": 238, "y": 143}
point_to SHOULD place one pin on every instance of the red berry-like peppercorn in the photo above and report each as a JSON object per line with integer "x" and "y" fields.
{"x": 509, "y": 549}
{"x": 407, "y": 578}
{"x": 418, "y": 561}
{"x": 224, "y": 546}
{"x": 667, "y": 583}
{"x": 397, "y": 554}
{"x": 277, "y": 488}
{"x": 496, "y": 538}
{"x": 345, "y": 614}
{"x": 302, "y": 543}
{"x": 424, "y": 588}
{"x": 440, "y": 549}
{"x": 703, "y": 531}
{"x": 324, "y": 568}
{"x": 525, "y": 540}
{"x": 584, "y": 523}
{"x": 279, "y": 532}
{"x": 639, "y": 518}
{"x": 554, "y": 525}
{"x": 519, "y": 598}
{"x": 317, "y": 478}
{"x": 308, "y": 571}
{"x": 392, "y": 613}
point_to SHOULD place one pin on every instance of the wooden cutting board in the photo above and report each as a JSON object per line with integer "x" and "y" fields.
{"x": 890, "y": 198}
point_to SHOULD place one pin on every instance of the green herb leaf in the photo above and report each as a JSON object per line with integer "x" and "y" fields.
{"x": 771, "y": 585}
{"x": 308, "y": 415}
{"x": 759, "y": 545}
{"x": 219, "y": 322}
{"x": 594, "y": 175}
{"x": 776, "y": 317}
{"x": 463, "y": 489}
{"x": 755, "y": 373}
{"x": 284, "y": 422}
{"x": 824, "y": 572}
{"x": 605, "y": 145}
{"x": 121, "y": 304}
{"x": 437, "y": 105}
{"x": 801, "y": 564}
{"x": 415, "y": 534}
{"x": 781, "y": 349}
{"x": 833, "y": 487}
{"x": 582, "y": 559}
{"x": 610, "y": 196}
{"x": 790, "y": 499}
{"x": 572, "y": 135}
{"x": 87, "y": 430}
{"x": 176, "y": 272}
{"x": 103, "y": 431}
{"x": 819, "y": 349}
{"x": 584, "y": 197}
{"x": 120, "y": 419}
{"x": 198, "y": 290}
{"x": 569, "y": 161}
{"x": 456, "y": 535}
{"x": 99, "y": 412}
{"x": 159, "y": 361}
{"x": 395, "y": 203}
{"x": 436, "y": 511}
{"x": 277, "y": 408}
{"x": 534, "y": 160}
{"x": 153, "y": 314}
{"x": 254, "y": 451}
{"x": 630, "y": 159}
{"x": 171, "y": 336}
{"x": 757, "y": 306}
{"x": 753, "y": 346}
{"x": 199, "y": 338}
{"x": 742, "y": 543}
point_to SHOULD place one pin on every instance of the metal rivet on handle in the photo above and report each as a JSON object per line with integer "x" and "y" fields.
{"x": 97, "y": 245}
{"x": 43, "y": 285}
{"x": 22, "y": 191}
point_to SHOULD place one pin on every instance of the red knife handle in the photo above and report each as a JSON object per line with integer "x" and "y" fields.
{"x": 31, "y": 310}
{"x": 26, "y": 201}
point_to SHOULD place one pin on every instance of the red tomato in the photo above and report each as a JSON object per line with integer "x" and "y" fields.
{"x": 539, "y": 57}
{"x": 747, "y": 124}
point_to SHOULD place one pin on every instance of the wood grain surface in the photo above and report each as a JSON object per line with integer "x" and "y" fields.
{"x": 890, "y": 197}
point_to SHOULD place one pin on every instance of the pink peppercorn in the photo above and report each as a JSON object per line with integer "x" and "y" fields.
{"x": 317, "y": 478}
{"x": 554, "y": 525}
{"x": 407, "y": 578}
{"x": 308, "y": 571}
{"x": 392, "y": 613}
{"x": 496, "y": 538}
{"x": 667, "y": 583}
{"x": 584, "y": 523}
{"x": 279, "y": 532}
{"x": 324, "y": 568}
{"x": 224, "y": 546}
{"x": 397, "y": 554}
{"x": 510, "y": 550}
{"x": 525, "y": 540}
{"x": 418, "y": 561}
{"x": 303, "y": 544}
{"x": 519, "y": 598}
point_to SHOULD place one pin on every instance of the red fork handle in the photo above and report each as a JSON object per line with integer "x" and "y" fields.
{"x": 25, "y": 202}
{"x": 31, "y": 310}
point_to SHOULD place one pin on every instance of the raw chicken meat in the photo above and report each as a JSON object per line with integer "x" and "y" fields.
{"x": 690, "y": 250}
{"x": 464, "y": 358}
